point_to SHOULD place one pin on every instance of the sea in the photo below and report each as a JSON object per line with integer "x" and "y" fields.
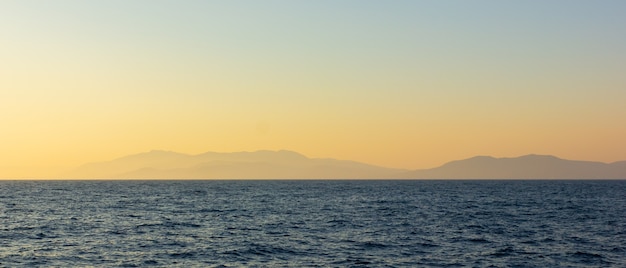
{"x": 313, "y": 223}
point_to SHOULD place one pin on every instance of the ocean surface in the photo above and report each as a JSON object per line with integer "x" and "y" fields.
{"x": 313, "y": 223}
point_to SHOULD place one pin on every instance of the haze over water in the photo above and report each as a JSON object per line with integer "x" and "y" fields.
{"x": 358, "y": 88}
{"x": 402, "y": 84}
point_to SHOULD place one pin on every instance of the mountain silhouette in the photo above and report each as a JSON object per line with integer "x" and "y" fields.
{"x": 523, "y": 167}
{"x": 238, "y": 165}
{"x": 292, "y": 165}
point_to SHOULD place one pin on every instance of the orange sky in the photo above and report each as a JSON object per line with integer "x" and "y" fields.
{"x": 402, "y": 84}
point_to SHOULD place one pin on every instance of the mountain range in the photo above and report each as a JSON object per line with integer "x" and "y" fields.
{"x": 523, "y": 167}
{"x": 238, "y": 165}
{"x": 292, "y": 165}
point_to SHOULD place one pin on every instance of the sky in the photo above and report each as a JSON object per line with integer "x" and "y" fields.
{"x": 404, "y": 84}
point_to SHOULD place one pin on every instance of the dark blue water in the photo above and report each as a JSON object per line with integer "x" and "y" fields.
{"x": 313, "y": 223}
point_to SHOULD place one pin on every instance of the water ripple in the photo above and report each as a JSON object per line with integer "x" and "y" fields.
{"x": 313, "y": 223}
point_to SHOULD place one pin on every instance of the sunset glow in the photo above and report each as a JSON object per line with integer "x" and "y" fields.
{"x": 402, "y": 84}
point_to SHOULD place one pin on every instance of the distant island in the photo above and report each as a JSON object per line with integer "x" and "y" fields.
{"x": 523, "y": 167}
{"x": 292, "y": 165}
{"x": 238, "y": 165}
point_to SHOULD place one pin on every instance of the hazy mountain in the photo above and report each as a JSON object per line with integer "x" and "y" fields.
{"x": 524, "y": 167}
{"x": 246, "y": 165}
{"x": 292, "y": 165}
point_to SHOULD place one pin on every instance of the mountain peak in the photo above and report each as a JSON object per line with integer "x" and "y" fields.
{"x": 481, "y": 157}
{"x": 538, "y": 156}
